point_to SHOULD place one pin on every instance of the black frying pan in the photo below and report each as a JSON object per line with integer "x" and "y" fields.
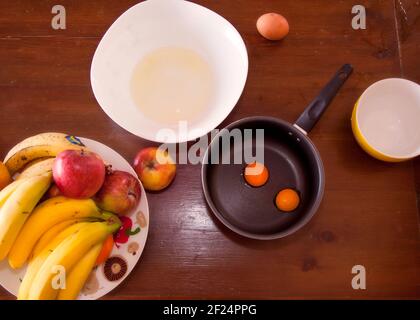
{"x": 292, "y": 161}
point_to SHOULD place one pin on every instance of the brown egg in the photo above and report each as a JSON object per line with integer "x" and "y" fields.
{"x": 273, "y": 26}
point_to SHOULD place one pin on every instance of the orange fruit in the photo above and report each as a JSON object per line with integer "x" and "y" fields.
{"x": 287, "y": 200}
{"x": 256, "y": 174}
{"x": 5, "y": 178}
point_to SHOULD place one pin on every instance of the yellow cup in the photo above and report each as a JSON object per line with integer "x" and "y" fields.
{"x": 386, "y": 120}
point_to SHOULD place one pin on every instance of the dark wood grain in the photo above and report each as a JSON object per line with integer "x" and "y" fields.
{"x": 408, "y": 23}
{"x": 369, "y": 214}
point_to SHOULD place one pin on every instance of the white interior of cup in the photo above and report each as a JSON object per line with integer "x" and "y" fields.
{"x": 388, "y": 115}
{"x": 153, "y": 24}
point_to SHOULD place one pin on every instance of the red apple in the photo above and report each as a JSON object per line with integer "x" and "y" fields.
{"x": 154, "y": 173}
{"x": 78, "y": 173}
{"x": 120, "y": 192}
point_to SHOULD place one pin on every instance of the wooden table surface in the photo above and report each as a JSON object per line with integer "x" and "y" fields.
{"x": 369, "y": 214}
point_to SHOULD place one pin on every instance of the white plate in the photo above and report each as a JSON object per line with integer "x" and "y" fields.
{"x": 98, "y": 285}
{"x": 154, "y": 24}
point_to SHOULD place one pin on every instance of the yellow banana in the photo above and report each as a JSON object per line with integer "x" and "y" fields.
{"x": 67, "y": 254}
{"x": 52, "y": 233}
{"x": 37, "y": 169}
{"x": 42, "y": 145}
{"x": 18, "y": 207}
{"x": 28, "y": 154}
{"x": 45, "y": 216}
{"x": 79, "y": 274}
{"x": 38, "y": 260}
{"x": 7, "y": 191}
{"x": 34, "y": 162}
{"x": 38, "y": 139}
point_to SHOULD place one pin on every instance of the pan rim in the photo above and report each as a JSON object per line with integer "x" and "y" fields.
{"x": 294, "y": 227}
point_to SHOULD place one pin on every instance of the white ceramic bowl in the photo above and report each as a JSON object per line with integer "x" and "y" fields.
{"x": 153, "y": 24}
{"x": 386, "y": 120}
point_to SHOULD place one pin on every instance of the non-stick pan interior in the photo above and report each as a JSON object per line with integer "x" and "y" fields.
{"x": 292, "y": 161}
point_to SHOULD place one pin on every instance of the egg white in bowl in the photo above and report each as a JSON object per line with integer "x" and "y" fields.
{"x": 155, "y": 24}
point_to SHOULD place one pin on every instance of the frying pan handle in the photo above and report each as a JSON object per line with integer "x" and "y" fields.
{"x": 316, "y": 108}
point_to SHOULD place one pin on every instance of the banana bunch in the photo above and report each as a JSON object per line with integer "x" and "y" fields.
{"x": 74, "y": 249}
{"x": 46, "y": 216}
{"x": 44, "y": 145}
{"x": 61, "y": 232}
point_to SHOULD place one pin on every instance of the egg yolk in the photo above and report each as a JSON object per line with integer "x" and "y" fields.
{"x": 256, "y": 174}
{"x": 287, "y": 200}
